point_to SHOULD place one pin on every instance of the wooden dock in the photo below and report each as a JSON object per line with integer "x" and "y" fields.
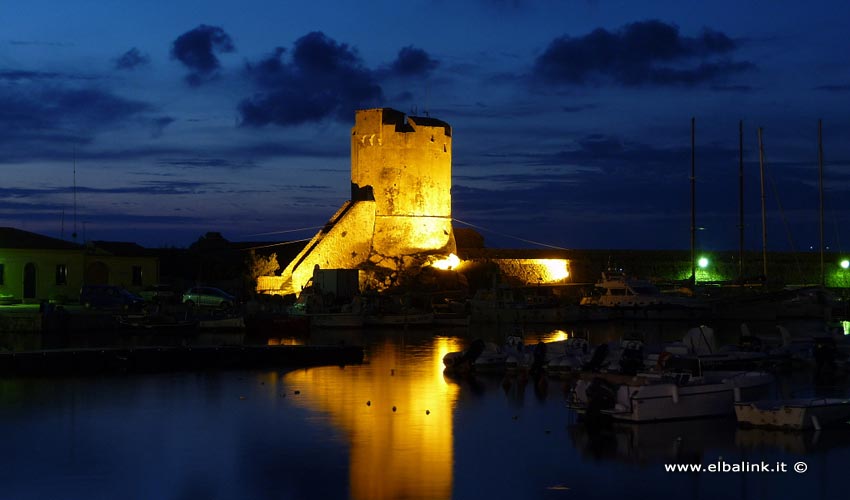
{"x": 165, "y": 359}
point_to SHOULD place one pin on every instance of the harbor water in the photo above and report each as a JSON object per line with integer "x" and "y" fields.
{"x": 392, "y": 428}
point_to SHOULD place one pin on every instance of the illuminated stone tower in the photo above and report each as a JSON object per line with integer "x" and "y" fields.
{"x": 406, "y": 167}
{"x": 399, "y": 214}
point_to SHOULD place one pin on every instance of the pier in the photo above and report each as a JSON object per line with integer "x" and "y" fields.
{"x": 165, "y": 359}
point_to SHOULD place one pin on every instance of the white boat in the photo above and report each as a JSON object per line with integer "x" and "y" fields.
{"x": 653, "y": 397}
{"x": 636, "y": 298}
{"x": 522, "y": 305}
{"x": 793, "y": 414}
{"x": 489, "y": 357}
{"x": 336, "y": 320}
{"x": 699, "y": 343}
{"x": 566, "y": 357}
{"x": 231, "y": 323}
{"x": 400, "y": 319}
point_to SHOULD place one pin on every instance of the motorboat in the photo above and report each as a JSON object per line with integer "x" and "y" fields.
{"x": 414, "y": 318}
{"x": 700, "y": 343}
{"x": 793, "y": 414}
{"x": 488, "y": 357}
{"x": 566, "y": 357}
{"x": 522, "y": 305}
{"x": 648, "y": 397}
{"x": 634, "y": 298}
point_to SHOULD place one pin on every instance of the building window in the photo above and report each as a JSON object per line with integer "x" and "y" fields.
{"x": 137, "y": 275}
{"x": 2, "y": 269}
{"x": 61, "y": 274}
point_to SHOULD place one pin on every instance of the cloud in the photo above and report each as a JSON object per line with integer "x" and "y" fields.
{"x": 159, "y": 125}
{"x": 642, "y": 53}
{"x": 205, "y": 163}
{"x": 834, "y": 88}
{"x": 413, "y": 62}
{"x": 42, "y": 120}
{"x": 40, "y": 43}
{"x": 132, "y": 59}
{"x": 197, "y": 49}
{"x": 17, "y": 75}
{"x": 321, "y": 79}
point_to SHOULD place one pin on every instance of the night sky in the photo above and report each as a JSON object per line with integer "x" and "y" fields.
{"x": 571, "y": 119}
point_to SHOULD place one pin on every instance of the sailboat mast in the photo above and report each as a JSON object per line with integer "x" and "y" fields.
{"x": 741, "y": 201}
{"x": 820, "y": 192}
{"x": 763, "y": 217}
{"x": 693, "y": 202}
{"x": 74, "y": 234}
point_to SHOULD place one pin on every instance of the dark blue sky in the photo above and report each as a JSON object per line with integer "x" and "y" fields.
{"x": 571, "y": 118}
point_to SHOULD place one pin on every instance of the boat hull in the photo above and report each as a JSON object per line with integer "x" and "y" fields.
{"x": 336, "y": 320}
{"x": 793, "y": 415}
{"x": 645, "y": 400}
{"x": 413, "y": 319}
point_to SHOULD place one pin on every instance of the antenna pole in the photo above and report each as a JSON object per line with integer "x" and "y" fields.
{"x": 741, "y": 201}
{"x": 763, "y": 218}
{"x": 820, "y": 191}
{"x": 693, "y": 202}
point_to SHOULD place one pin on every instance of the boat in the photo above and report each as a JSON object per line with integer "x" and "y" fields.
{"x": 627, "y": 297}
{"x": 568, "y": 356}
{"x": 520, "y": 305}
{"x": 793, "y": 414}
{"x": 649, "y": 397}
{"x": 158, "y": 323}
{"x": 336, "y": 320}
{"x": 699, "y": 343}
{"x": 396, "y": 310}
{"x": 414, "y": 318}
{"x": 328, "y": 313}
{"x": 488, "y": 357}
{"x": 449, "y": 312}
{"x": 222, "y": 323}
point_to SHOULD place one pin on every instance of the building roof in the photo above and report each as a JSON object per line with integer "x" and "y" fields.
{"x": 427, "y": 121}
{"x": 11, "y": 237}
{"x": 120, "y": 248}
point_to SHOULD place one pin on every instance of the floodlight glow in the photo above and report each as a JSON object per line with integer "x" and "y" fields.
{"x": 845, "y": 264}
{"x": 703, "y": 262}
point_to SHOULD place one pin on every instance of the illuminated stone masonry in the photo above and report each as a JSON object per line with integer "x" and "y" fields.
{"x": 399, "y": 217}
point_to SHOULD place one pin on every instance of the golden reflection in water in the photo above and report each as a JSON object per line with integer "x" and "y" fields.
{"x": 555, "y": 336}
{"x": 285, "y": 341}
{"x": 406, "y": 453}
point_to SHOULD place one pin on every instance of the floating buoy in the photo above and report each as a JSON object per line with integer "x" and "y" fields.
{"x": 393, "y": 408}
{"x": 427, "y": 412}
{"x": 369, "y": 403}
{"x": 392, "y": 371}
{"x": 297, "y": 392}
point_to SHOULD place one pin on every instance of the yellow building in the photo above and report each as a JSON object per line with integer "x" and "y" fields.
{"x": 34, "y": 267}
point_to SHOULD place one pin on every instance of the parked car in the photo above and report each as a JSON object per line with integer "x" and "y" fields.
{"x": 109, "y": 297}
{"x": 207, "y": 296}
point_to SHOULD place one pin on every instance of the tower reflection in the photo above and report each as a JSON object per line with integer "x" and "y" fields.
{"x": 396, "y": 410}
